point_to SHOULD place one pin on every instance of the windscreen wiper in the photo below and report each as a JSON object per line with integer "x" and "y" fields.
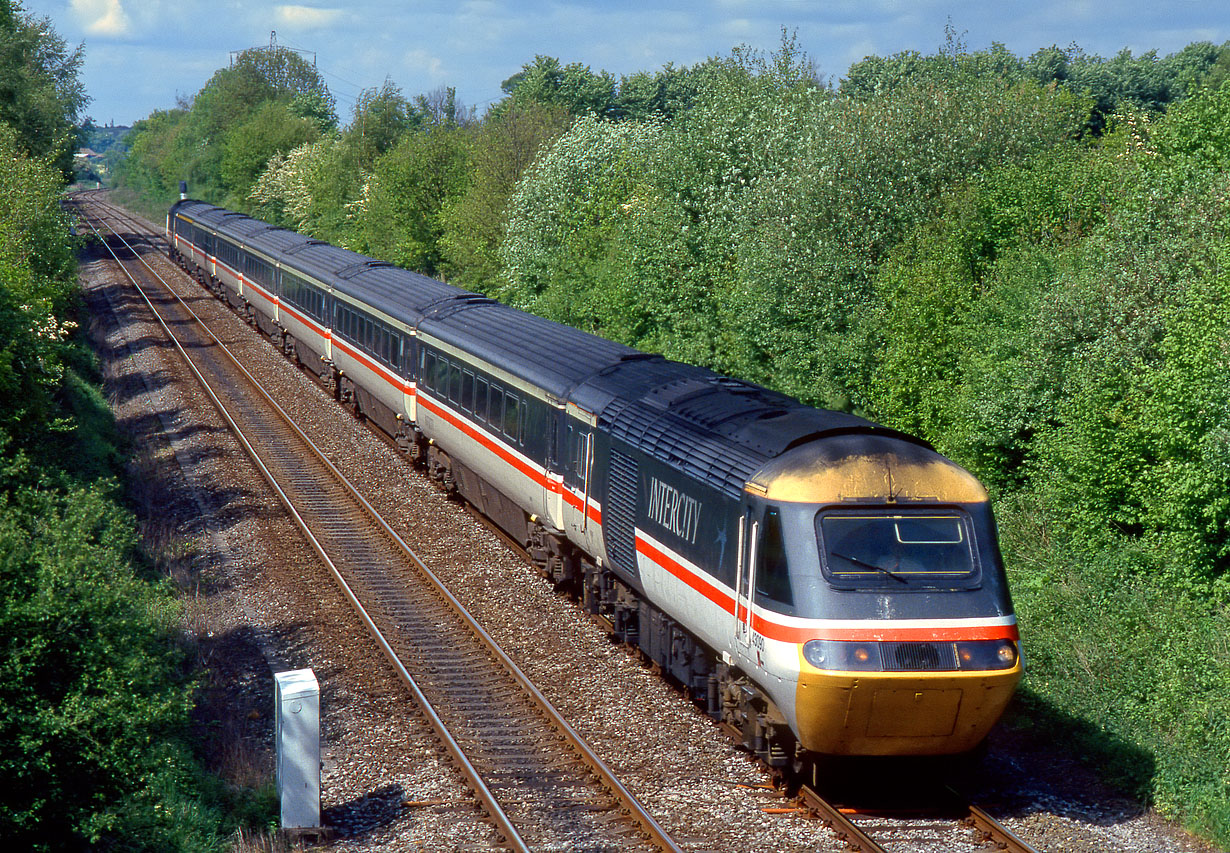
{"x": 873, "y": 566}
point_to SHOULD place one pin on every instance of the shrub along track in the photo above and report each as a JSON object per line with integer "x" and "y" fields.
{"x": 651, "y": 734}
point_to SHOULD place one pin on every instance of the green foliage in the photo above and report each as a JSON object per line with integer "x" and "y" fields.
{"x": 1062, "y": 329}
{"x": 981, "y": 266}
{"x": 573, "y": 87}
{"x": 157, "y": 159}
{"x": 556, "y": 217}
{"x": 40, "y": 94}
{"x": 310, "y": 188}
{"x": 762, "y": 213}
{"x": 1123, "y": 83}
{"x": 36, "y": 296}
{"x": 94, "y": 693}
{"x": 381, "y": 116}
{"x": 665, "y": 93}
{"x": 1139, "y": 671}
{"x": 94, "y": 701}
{"x": 399, "y": 216}
{"x": 250, "y": 145}
{"x": 281, "y": 72}
{"x": 1197, "y": 132}
{"x": 89, "y": 672}
{"x": 268, "y": 102}
{"x": 473, "y": 222}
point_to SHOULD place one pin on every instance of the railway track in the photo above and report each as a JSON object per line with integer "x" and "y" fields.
{"x": 535, "y": 779}
{"x": 860, "y": 831}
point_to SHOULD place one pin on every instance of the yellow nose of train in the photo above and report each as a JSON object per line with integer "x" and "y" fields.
{"x": 899, "y": 713}
{"x": 914, "y": 648}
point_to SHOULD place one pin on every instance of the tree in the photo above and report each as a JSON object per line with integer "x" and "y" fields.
{"x": 441, "y": 107}
{"x": 663, "y": 94}
{"x": 398, "y": 218}
{"x": 41, "y": 96}
{"x": 573, "y": 87}
{"x": 285, "y": 73}
{"x": 473, "y": 223}
{"x": 381, "y": 116}
{"x": 35, "y": 303}
{"x": 198, "y": 142}
{"x": 272, "y": 129}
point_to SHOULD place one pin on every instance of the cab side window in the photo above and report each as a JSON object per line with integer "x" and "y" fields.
{"x": 772, "y": 576}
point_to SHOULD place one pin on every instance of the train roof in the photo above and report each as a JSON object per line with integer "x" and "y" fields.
{"x": 552, "y": 356}
{"x": 720, "y": 430}
{"x": 399, "y": 293}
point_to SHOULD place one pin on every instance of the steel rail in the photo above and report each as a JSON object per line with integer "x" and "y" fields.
{"x": 995, "y": 832}
{"x": 845, "y": 829}
{"x": 635, "y": 809}
{"x": 481, "y": 792}
{"x": 988, "y": 828}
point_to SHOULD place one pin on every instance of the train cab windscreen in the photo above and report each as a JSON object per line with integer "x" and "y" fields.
{"x": 897, "y": 550}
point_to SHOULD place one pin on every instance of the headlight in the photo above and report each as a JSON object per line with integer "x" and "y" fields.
{"x": 842, "y": 655}
{"x": 987, "y": 654}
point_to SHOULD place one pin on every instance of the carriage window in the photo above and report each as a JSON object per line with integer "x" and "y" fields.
{"x": 577, "y": 438}
{"x": 510, "y": 415}
{"x": 440, "y": 382}
{"x": 480, "y": 398}
{"x": 772, "y": 577}
{"x": 428, "y": 369}
{"x": 495, "y": 417}
{"x": 454, "y": 387}
{"x": 467, "y": 390}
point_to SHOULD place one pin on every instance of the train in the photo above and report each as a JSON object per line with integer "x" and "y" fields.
{"x": 820, "y": 584}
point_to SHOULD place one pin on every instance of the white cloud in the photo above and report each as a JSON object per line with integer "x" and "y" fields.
{"x": 421, "y": 60}
{"x": 101, "y": 17}
{"x": 305, "y": 17}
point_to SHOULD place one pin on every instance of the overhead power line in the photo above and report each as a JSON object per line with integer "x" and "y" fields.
{"x": 273, "y": 46}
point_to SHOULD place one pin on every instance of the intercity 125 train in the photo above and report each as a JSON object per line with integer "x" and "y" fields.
{"x": 816, "y": 581}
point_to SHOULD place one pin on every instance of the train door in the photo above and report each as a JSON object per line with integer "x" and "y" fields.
{"x": 578, "y": 470}
{"x": 553, "y": 485}
{"x": 745, "y": 580}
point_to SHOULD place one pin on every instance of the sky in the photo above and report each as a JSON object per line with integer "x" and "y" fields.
{"x": 144, "y": 55}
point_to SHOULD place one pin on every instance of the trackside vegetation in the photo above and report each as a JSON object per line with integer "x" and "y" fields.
{"x": 1024, "y": 260}
{"x": 96, "y": 683}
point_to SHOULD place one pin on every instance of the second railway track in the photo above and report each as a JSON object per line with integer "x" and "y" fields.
{"x": 537, "y": 781}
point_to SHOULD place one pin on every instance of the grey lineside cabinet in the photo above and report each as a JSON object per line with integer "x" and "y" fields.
{"x": 297, "y": 740}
